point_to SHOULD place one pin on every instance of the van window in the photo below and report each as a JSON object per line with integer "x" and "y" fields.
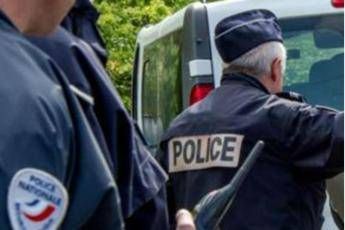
{"x": 161, "y": 87}
{"x": 315, "y": 48}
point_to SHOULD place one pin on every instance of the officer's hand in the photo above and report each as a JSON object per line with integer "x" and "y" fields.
{"x": 184, "y": 220}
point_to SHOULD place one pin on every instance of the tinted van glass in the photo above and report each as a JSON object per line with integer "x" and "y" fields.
{"x": 161, "y": 87}
{"x": 315, "y": 59}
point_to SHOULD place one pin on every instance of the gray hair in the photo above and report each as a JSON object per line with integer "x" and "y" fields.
{"x": 257, "y": 62}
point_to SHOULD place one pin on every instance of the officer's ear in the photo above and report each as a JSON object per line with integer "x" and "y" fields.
{"x": 276, "y": 77}
{"x": 276, "y": 70}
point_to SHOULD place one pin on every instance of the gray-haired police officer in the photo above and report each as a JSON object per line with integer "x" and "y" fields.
{"x": 52, "y": 172}
{"x": 207, "y": 143}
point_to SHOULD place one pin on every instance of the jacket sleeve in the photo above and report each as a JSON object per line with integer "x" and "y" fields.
{"x": 162, "y": 158}
{"x": 35, "y": 129}
{"x": 152, "y": 215}
{"x": 313, "y": 139}
{"x": 151, "y": 211}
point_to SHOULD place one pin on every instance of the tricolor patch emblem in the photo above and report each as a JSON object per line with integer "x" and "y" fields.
{"x": 36, "y": 200}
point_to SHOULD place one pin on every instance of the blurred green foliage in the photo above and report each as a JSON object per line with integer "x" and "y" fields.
{"x": 120, "y": 22}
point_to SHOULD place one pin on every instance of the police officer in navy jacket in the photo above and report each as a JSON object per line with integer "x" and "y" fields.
{"x": 77, "y": 47}
{"x": 53, "y": 174}
{"x": 206, "y": 144}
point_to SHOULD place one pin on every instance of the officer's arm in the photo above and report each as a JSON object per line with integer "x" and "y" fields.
{"x": 35, "y": 134}
{"x": 151, "y": 215}
{"x": 162, "y": 158}
{"x": 315, "y": 140}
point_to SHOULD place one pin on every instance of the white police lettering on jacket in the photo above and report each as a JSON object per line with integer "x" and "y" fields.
{"x": 205, "y": 151}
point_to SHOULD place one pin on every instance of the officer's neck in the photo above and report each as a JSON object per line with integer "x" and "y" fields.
{"x": 252, "y": 80}
{"x": 24, "y": 15}
{"x": 267, "y": 83}
{"x": 12, "y": 11}
{"x": 273, "y": 84}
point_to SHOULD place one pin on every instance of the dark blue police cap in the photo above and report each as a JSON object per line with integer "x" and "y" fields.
{"x": 240, "y": 33}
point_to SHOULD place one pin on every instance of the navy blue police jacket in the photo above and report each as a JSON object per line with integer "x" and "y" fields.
{"x": 140, "y": 178}
{"x": 42, "y": 127}
{"x": 82, "y": 22}
{"x": 206, "y": 144}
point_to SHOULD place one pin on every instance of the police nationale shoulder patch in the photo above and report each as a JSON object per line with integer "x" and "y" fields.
{"x": 205, "y": 151}
{"x": 36, "y": 200}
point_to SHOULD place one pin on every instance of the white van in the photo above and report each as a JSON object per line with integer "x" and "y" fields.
{"x": 177, "y": 63}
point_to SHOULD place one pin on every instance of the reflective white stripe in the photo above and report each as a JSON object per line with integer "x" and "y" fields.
{"x": 200, "y": 67}
{"x": 241, "y": 25}
{"x": 82, "y": 95}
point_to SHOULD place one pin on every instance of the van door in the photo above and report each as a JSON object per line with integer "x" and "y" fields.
{"x": 161, "y": 95}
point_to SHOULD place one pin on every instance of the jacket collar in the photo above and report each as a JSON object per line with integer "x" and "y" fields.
{"x": 7, "y": 22}
{"x": 228, "y": 79}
